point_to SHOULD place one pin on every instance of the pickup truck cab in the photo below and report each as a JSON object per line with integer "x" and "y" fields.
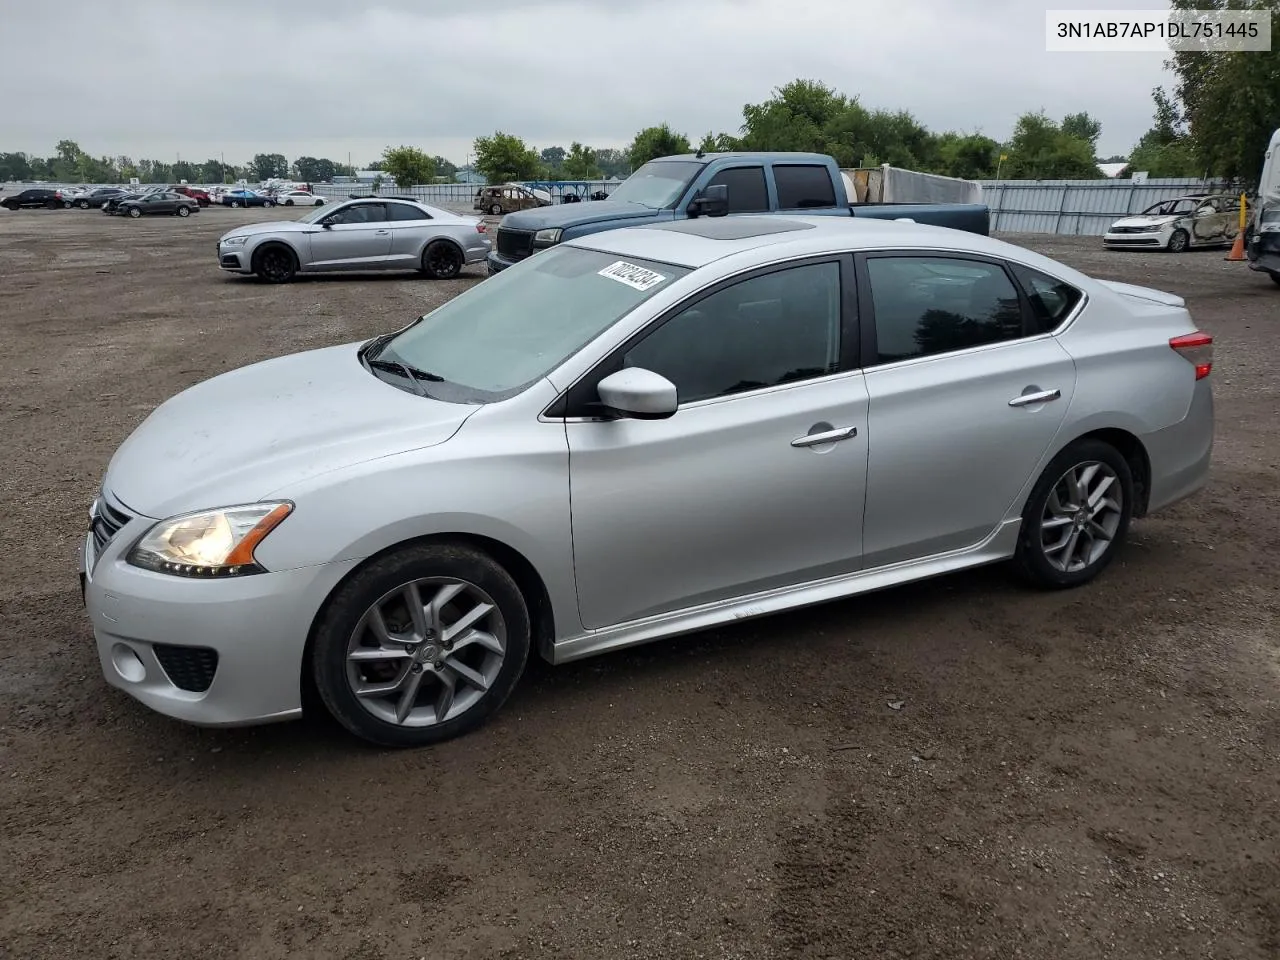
{"x": 716, "y": 184}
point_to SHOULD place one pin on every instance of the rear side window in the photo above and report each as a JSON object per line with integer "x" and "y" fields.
{"x": 1051, "y": 300}
{"x": 928, "y": 305}
{"x": 804, "y": 186}
{"x": 747, "y": 193}
{"x": 402, "y": 211}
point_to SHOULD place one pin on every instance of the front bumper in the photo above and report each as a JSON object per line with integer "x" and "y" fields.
{"x": 497, "y": 262}
{"x": 1263, "y": 252}
{"x": 225, "y": 652}
{"x": 1134, "y": 239}
{"x": 233, "y": 259}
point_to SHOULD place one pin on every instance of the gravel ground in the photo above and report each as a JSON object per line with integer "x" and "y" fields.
{"x": 1079, "y": 775}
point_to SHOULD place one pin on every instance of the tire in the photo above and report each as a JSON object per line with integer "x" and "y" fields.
{"x": 51, "y": 204}
{"x": 1275, "y": 278}
{"x": 459, "y": 580}
{"x": 275, "y": 263}
{"x": 269, "y": 203}
{"x": 1179, "y": 241}
{"x": 83, "y": 204}
{"x": 288, "y": 203}
{"x": 183, "y": 211}
{"x": 11, "y": 206}
{"x": 441, "y": 260}
{"x": 496, "y": 210}
{"x": 235, "y": 204}
{"x": 1043, "y": 563}
{"x": 319, "y": 203}
{"x": 135, "y": 212}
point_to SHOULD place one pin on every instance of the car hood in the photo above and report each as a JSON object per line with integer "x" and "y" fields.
{"x": 252, "y": 432}
{"x": 271, "y": 226}
{"x": 1146, "y": 221}
{"x": 577, "y": 214}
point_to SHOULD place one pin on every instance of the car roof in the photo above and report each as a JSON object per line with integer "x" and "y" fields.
{"x": 770, "y": 239}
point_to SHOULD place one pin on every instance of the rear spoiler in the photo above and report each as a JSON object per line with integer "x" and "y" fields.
{"x": 1144, "y": 293}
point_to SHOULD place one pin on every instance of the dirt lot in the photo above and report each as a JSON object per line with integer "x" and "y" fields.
{"x": 1084, "y": 775}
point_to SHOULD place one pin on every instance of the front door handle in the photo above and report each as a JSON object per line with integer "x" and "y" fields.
{"x": 381, "y": 233}
{"x": 1042, "y": 396}
{"x": 827, "y": 436}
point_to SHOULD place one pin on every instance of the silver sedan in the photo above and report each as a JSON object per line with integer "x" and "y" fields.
{"x": 633, "y": 435}
{"x": 365, "y": 234}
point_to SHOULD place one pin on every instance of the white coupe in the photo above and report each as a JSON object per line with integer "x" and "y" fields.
{"x": 299, "y": 198}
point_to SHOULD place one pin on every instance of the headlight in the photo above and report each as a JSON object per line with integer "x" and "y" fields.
{"x": 234, "y": 241}
{"x": 549, "y": 236}
{"x": 213, "y": 543}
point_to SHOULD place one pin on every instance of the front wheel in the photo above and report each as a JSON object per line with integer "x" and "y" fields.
{"x": 421, "y": 646}
{"x": 184, "y": 211}
{"x": 83, "y": 204}
{"x": 1076, "y": 517}
{"x": 235, "y": 204}
{"x": 442, "y": 260}
{"x": 496, "y": 210}
{"x": 275, "y": 264}
{"x": 1179, "y": 241}
{"x": 288, "y": 203}
{"x": 51, "y": 204}
{"x": 135, "y": 212}
{"x": 269, "y": 203}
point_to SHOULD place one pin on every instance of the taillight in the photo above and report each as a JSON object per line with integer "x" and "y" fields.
{"x": 481, "y": 228}
{"x": 1197, "y": 349}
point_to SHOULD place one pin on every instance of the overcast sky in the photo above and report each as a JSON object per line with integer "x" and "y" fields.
{"x": 203, "y": 78}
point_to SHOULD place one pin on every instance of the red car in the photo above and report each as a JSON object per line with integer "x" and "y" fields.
{"x": 195, "y": 193}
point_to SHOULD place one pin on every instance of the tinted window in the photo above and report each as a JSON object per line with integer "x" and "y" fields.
{"x": 360, "y": 213}
{"x": 803, "y": 186}
{"x": 747, "y": 193}
{"x": 928, "y": 305}
{"x": 1051, "y": 300}
{"x": 760, "y": 332}
{"x": 402, "y": 211}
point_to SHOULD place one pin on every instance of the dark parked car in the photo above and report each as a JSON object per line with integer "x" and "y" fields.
{"x": 112, "y": 206}
{"x": 164, "y": 202}
{"x": 97, "y": 197}
{"x": 247, "y": 198}
{"x": 35, "y": 197}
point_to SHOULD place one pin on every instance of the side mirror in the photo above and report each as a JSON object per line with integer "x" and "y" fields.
{"x": 638, "y": 394}
{"x": 711, "y": 201}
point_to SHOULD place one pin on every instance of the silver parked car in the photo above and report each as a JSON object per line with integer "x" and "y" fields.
{"x": 632, "y": 435}
{"x": 364, "y": 234}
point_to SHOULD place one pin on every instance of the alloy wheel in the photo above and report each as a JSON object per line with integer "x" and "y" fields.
{"x": 443, "y": 260}
{"x": 276, "y": 265}
{"x": 1081, "y": 517}
{"x": 426, "y": 652}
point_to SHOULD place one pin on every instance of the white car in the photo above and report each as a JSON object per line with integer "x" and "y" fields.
{"x": 1179, "y": 224}
{"x": 299, "y": 198}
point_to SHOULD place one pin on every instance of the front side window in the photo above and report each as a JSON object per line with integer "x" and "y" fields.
{"x": 930, "y": 305}
{"x": 519, "y": 325}
{"x": 747, "y": 192}
{"x": 360, "y": 213}
{"x": 761, "y": 332}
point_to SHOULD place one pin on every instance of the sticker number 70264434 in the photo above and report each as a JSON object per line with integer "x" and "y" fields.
{"x": 631, "y": 275}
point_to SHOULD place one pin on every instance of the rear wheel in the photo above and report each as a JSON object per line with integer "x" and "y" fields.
{"x": 184, "y": 211}
{"x": 269, "y": 203}
{"x": 496, "y": 210}
{"x": 275, "y": 263}
{"x": 234, "y": 204}
{"x": 1179, "y": 241}
{"x": 288, "y": 203}
{"x": 442, "y": 260}
{"x": 1076, "y": 517}
{"x": 52, "y": 204}
{"x": 421, "y": 646}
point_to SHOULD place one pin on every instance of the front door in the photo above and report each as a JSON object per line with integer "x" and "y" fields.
{"x": 758, "y": 479}
{"x": 356, "y": 237}
{"x": 1209, "y": 223}
{"x": 966, "y": 396}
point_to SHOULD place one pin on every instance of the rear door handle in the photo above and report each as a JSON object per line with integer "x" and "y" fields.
{"x": 381, "y": 233}
{"x": 827, "y": 436}
{"x": 1027, "y": 399}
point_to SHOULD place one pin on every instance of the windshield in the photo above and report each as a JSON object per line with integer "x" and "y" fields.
{"x": 658, "y": 184}
{"x": 1168, "y": 208}
{"x": 501, "y": 335}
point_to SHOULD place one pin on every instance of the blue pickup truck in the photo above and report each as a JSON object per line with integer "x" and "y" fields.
{"x": 715, "y": 184}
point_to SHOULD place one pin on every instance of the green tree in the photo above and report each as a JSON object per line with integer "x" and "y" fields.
{"x": 719, "y": 143}
{"x": 1083, "y": 127}
{"x": 1040, "y": 150}
{"x": 971, "y": 156}
{"x": 1231, "y": 100}
{"x": 580, "y": 164}
{"x": 1166, "y": 149}
{"x": 186, "y": 171}
{"x": 659, "y": 141}
{"x": 377, "y": 183}
{"x": 408, "y": 166}
{"x": 613, "y": 163}
{"x": 504, "y": 157}
{"x": 314, "y": 170}
{"x": 553, "y": 157}
{"x": 445, "y": 168}
{"x": 15, "y": 166}
{"x": 268, "y": 165}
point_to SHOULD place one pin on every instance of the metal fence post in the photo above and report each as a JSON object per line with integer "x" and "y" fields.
{"x": 1062, "y": 205}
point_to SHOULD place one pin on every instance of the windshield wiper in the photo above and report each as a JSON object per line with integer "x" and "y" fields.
{"x": 410, "y": 373}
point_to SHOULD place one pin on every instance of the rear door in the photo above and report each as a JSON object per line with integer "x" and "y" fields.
{"x": 967, "y": 392}
{"x": 410, "y": 228}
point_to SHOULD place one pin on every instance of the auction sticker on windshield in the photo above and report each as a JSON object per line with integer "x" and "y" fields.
{"x": 631, "y": 275}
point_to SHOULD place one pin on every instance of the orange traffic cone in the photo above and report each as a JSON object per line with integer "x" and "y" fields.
{"x": 1237, "y": 249}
